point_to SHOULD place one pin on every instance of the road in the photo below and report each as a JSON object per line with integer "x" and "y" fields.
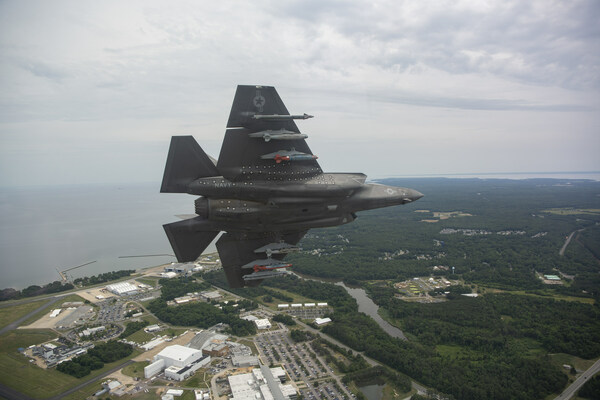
{"x": 583, "y": 378}
{"x": 564, "y": 247}
{"x": 419, "y": 388}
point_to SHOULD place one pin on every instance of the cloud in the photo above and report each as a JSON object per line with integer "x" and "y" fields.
{"x": 100, "y": 73}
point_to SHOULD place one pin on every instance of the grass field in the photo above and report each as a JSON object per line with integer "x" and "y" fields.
{"x": 135, "y": 370}
{"x": 18, "y": 373}
{"x": 148, "y": 281}
{"x": 198, "y": 379}
{"x": 585, "y": 300}
{"x": 10, "y": 314}
{"x": 579, "y": 363}
{"x": 140, "y": 337}
{"x": 151, "y": 319}
{"x": 573, "y": 211}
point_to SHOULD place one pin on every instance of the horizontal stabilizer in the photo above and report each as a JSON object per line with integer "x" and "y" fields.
{"x": 186, "y": 162}
{"x": 187, "y": 240}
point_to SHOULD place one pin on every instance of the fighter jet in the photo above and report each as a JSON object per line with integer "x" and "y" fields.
{"x": 265, "y": 191}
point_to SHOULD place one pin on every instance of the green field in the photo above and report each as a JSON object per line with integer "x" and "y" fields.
{"x": 135, "y": 370}
{"x": 140, "y": 337}
{"x": 579, "y": 363}
{"x": 148, "y": 281}
{"x": 573, "y": 211}
{"x": 10, "y": 314}
{"x": 200, "y": 379}
{"x": 18, "y": 373}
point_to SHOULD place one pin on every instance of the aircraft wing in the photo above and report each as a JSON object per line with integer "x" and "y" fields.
{"x": 259, "y": 110}
{"x": 237, "y": 249}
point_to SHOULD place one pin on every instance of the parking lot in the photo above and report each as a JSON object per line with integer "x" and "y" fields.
{"x": 301, "y": 364}
{"x": 110, "y": 311}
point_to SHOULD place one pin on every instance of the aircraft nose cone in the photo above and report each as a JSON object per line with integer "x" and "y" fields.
{"x": 412, "y": 195}
{"x": 416, "y": 195}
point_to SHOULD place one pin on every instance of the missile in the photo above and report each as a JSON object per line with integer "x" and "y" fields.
{"x": 264, "y": 274}
{"x": 266, "y": 265}
{"x": 288, "y": 155}
{"x": 279, "y": 117}
{"x": 281, "y": 134}
{"x": 277, "y": 248}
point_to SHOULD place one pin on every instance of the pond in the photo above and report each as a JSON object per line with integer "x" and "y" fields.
{"x": 372, "y": 392}
{"x": 367, "y": 306}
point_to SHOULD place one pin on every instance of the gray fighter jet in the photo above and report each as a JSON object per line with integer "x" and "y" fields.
{"x": 265, "y": 191}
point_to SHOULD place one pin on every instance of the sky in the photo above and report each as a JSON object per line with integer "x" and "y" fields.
{"x": 92, "y": 91}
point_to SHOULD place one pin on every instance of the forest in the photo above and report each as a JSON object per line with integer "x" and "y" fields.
{"x": 496, "y": 233}
{"x": 199, "y": 314}
{"x": 95, "y": 358}
{"x": 499, "y": 236}
{"x": 34, "y": 290}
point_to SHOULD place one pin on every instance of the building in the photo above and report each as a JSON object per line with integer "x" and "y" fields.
{"x": 91, "y": 331}
{"x": 152, "y": 328}
{"x": 180, "y": 374}
{"x": 262, "y": 323}
{"x": 279, "y": 373}
{"x": 216, "y": 350}
{"x": 202, "y": 394}
{"x": 179, "y": 362}
{"x": 178, "y": 355}
{"x": 214, "y": 295}
{"x": 322, "y": 321}
{"x": 261, "y": 383}
{"x": 184, "y": 268}
{"x": 282, "y": 306}
{"x": 154, "y": 368}
{"x": 244, "y": 361}
{"x": 55, "y": 313}
{"x": 204, "y": 338}
{"x": 168, "y": 275}
{"x": 182, "y": 299}
{"x": 153, "y": 343}
{"x": 123, "y": 289}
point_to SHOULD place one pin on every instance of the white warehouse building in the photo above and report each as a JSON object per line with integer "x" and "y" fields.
{"x": 122, "y": 288}
{"x": 179, "y": 362}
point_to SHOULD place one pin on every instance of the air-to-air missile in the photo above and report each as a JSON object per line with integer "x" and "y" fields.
{"x": 266, "y": 264}
{"x": 264, "y": 205}
{"x": 280, "y": 117}
{"x": 288, "y": 155}
{"x": 280, "y": 134}
{"x": 277, "y": 248}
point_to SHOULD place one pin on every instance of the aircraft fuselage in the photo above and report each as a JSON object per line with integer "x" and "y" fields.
{"x": 323, "y": 200}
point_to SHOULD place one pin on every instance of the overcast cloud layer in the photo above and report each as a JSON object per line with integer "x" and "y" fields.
{"x": 92, "y": 91}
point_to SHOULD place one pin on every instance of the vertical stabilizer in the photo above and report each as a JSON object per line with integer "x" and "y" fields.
{"x": 186, "y": 162}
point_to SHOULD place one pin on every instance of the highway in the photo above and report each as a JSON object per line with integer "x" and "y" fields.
{"x": 575, "y": 386}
